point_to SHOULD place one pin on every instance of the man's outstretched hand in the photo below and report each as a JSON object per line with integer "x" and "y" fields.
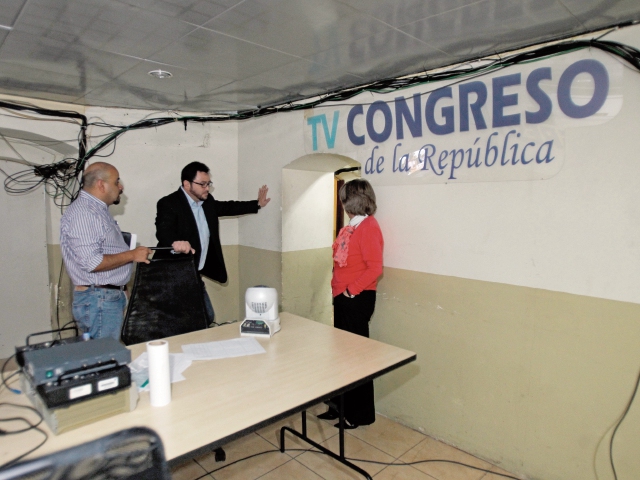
{"x": 262, "y": 196}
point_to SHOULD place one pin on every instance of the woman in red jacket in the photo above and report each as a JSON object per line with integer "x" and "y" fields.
{"x": 357, "y": 255}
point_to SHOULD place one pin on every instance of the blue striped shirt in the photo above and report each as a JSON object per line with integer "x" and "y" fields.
{"x": 87, "y": 233}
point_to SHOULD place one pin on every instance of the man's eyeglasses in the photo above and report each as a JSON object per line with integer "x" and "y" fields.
{"x": 203, "y": 184}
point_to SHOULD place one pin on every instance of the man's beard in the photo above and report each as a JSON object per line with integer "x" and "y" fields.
{"x": 201, "y": 197}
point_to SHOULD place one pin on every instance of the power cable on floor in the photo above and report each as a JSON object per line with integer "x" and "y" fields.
{"x": 392, "y": 464}
{"x": 615, "y": 430}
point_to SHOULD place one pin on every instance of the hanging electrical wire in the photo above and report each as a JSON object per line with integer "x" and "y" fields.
{"x": 61, "y": 179}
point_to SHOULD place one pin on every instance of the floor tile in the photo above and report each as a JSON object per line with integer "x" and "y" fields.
{"x": 389, "y": 436}
{"x": 432, "y": 449}
{"x": 247, "y": 469}
{"x": 188, "y": 471}
{"x": 292, "y": 470}
{"x": 383, "y": 441}
{"x": 329, "y": 468}
{"x": 317, "y": 430}
{"x": 404, "y": 472}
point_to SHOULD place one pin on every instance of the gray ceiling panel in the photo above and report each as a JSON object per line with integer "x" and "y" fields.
{"x": 303, "y": 77}
{"x": 387, "y": 54}
{"x": 105, "y": 24}
{"x": 3, "y": 35}
{"x": 131, "y": 97}
{"x": 144, "y": 40}
{"x": 228, "y": 55}
{"x": 464, "y": 32}
{"x": 188, "y": 84}
{"x": 141, "y": 98}
{"x": 203, "y": 11}
{"x": 196, "y": 12}
{"x": 58, "y": 56}
{"x": 298, "y": 27}
{"x": 247, "y": 92}
{"x": 34, "y": 83}
{"x": 10, "y": 11}
{"x": 595, "y": 14}
{"x": 208, "y": 51}
{"x": 403, "y": 12}
{"x": 210, "y": 104}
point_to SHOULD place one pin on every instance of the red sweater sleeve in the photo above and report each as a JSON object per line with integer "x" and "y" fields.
{"x": 371, "y": 246}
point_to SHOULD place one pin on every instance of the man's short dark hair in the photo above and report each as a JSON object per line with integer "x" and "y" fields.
{"x": 190, "y": 172}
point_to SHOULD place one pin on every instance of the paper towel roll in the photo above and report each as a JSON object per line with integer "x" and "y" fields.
{"x": 159, "y": 377}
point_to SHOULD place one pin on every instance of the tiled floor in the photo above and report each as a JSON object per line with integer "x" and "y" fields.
{"x": 385, "y": 441}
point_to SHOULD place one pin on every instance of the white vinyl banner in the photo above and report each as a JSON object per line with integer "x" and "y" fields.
{"x": 502, "y": 126}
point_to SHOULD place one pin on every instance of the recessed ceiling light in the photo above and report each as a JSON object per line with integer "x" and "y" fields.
{"x": 160, "y": 74}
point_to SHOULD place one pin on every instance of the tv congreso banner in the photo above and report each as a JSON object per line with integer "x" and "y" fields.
{"x": 502, "y": 126}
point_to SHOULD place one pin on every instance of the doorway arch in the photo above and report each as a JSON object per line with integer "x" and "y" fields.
{"x": 308, "y": 220}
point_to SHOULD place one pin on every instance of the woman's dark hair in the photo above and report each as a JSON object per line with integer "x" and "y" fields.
{"x": 358, "y": 197}
{"x": 190, "y": 172}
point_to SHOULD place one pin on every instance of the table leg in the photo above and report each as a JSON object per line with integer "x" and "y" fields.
{"x": 304, "y": 423}
{"x": 341, "y": 429}
{"x": 303, "y": 436}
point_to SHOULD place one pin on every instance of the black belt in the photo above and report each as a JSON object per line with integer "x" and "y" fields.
{"x": 122, "y": 288}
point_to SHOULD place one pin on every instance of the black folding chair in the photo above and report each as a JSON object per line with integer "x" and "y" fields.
{"x": 167, "y": 299}
{"x": 135, "y": 453}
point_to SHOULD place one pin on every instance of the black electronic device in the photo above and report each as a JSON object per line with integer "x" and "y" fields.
{"x": 67, "y": 373}
{"x": 45, "y": 365}
{"x": 255, "y": 328}
{"x": 48, "y": 344}
{"x": 88, "y": 383}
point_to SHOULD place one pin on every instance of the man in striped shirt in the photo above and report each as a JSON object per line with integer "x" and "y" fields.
{"x": 98, "y": 260}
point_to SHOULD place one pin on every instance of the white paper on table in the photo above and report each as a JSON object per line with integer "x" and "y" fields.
{"x": 236, "y": 347}
{"x": 178, "y": 363}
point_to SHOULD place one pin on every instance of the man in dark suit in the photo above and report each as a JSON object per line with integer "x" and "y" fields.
{"x": 187, "y": 221}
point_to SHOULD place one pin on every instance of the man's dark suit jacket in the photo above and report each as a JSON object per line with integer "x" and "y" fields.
{"x": 175, "y": 221}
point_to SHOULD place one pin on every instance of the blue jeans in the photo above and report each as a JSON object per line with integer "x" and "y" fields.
{"x": 208, "y": 307}
{"x": 99, "y": 311}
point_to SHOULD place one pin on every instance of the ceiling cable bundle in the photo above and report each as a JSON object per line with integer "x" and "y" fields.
{"x": 60, "y": 178}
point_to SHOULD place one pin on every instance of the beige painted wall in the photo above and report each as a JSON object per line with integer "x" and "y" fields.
{"x": 308, "y": 193}
{"x": 306, "y": 284}
{"x": 61, "y": 289}
{"x": 307, "y": 209}
{"x": 529, "y": 379}
{"x": 224, "y": 297}
{"x": 25, "y": 287}
{"x": 258, "y": 267}
{"x": 246, "y": 267}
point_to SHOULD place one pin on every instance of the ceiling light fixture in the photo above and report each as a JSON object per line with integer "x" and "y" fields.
{"x": 160, "y": 74}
